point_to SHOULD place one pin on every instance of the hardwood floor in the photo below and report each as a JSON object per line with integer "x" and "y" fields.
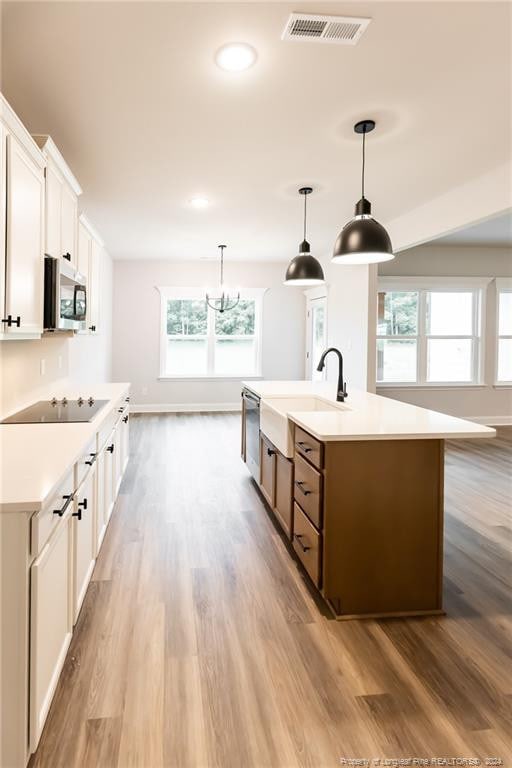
{"x": 200, "y": 644}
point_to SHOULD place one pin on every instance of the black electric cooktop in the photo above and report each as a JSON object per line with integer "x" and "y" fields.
{"x": 57, "y": 411}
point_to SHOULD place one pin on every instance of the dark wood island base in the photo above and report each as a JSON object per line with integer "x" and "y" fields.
{"x": 365, "y": 519}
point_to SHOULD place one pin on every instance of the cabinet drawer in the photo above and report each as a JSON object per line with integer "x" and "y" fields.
{"x": 307, "y": 490}
{"x": 44, "y": 521}
{"x": 86, "y": 461}
{"x": 307, "y": 543}
{"x": 267, "y": 469}
{"x": 309, "y": 447}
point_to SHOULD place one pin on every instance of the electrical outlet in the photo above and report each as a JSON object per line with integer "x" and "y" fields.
{"x": 42, "y": 366}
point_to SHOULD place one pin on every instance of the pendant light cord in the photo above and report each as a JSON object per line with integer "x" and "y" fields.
{"x": 363, "y": 164}
{"x": 221, "y": 265}
{"x": 305, "y": 205}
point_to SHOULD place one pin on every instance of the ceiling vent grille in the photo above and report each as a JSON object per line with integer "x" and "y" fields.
{"x": 343, "y": 30}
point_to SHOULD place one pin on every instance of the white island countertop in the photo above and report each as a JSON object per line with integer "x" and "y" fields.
{"x": 363, "y": 415}
{"x": 35, "y": 457}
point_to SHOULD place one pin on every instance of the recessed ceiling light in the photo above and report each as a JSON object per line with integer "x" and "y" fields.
{"x": 235, "y": 57}
{"x": 199, "y": 202}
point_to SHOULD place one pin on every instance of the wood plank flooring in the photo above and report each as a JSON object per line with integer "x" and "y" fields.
{"x": 200, "y": 644}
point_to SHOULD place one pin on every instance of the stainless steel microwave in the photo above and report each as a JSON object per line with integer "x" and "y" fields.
{"x": 65, "y": 296}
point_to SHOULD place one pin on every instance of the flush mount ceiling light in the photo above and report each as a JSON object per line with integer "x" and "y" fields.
{"x": 223, "y": 302}
{"x": 363, "y": 240}
{"x": 235, "y": 57}
{"x": 304, "y": 269}
{"x": 199, "y": 202}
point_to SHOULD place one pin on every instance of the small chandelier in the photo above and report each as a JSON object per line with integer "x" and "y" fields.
{"x": 223, "y": 302}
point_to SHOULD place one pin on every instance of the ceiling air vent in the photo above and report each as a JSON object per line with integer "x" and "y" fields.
{"x": 344, "y": 30}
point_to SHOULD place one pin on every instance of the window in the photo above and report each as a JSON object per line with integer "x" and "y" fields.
{"x": 428, "y": 331}
{"x": 198, "y": 341}
{"x": 504, "y": 350}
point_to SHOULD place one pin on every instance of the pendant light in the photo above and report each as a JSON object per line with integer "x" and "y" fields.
{"x": 223, "y": 302}
{"x": 363, "y": 240}
{"x": 304, "y": 269}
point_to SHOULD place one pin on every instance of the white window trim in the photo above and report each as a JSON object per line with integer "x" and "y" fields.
{"x": 196, "y": 293}
{"x": 503, "y": 285}
{"x": 421, "y": 284}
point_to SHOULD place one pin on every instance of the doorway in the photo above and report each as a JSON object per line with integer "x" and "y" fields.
{"x": 316, "y": 333}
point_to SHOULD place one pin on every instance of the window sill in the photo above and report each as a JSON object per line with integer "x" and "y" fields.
{"x": 429, "y": 387}
{"x": 209, "y": 377}
{"x": 502, "y": 385}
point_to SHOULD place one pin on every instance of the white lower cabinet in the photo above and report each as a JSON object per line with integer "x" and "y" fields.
{"x": 50, "y": 622}
{"x": 125, "y": 441}
{"x": 109, "y": 475}
{"x": 101, "y": 517}
{"x": 84, "y": 545}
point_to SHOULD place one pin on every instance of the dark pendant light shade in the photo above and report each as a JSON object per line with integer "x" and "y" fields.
{"x": 363, "y": 240}
{"x": 304, "y": 269}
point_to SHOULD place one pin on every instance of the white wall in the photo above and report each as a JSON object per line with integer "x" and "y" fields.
{"x": 488, "y": 403}
{"x": 79, "y": 359}
{"x": 351, "y": 309}
{"x": 136, "y": 329}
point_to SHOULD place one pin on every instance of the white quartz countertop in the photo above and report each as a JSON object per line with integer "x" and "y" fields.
{"x": 364, "y": 416}
{"x": 34, "y": 458}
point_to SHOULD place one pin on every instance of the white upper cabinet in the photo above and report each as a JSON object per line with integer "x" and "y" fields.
{"x": 90, "y": 249}
{"x": 22, "y": 227}
{"x": 62, "y": 192}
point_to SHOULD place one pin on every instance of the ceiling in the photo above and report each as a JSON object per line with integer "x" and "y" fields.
{"x": 131, "y": 95}
{"x": 495, "y": 232}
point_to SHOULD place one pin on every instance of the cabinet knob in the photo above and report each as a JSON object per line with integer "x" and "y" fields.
{"x": 125, "y": 419}
{"x": 270, "y": 452}
{"x": 92, "y": 328}
{"x": 110, "y": 448}
{"x": 66, "y": 256}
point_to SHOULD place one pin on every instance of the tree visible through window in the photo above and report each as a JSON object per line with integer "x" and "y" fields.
{"x": 427, "y": 336}
{"x": 200, "y": 341}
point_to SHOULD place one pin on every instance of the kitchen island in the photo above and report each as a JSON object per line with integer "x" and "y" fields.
{"x": 357, "y": 488}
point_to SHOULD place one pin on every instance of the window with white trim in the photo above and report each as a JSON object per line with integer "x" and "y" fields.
{"x": 428, "y": 332}
{"x": 504, "y": 323}
{"x": 198, "y": 341}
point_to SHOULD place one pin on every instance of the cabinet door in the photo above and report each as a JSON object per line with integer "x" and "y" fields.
{"x": 3, "y": 193}
{"x": 108, "y": 476}
{"x": 101, "y": 515}
{"x": 53, "y": 205}
{"x": 94, "y": 287}
{"x": 24, "y": 241}
{"x": 118, "y": 458}
{"x": 283, "y": 497}
{"x": 50, "y": 623}
{"x": 84, "y": 250}
{"x": 267, "y": 470}
{"x": 125, "y": 441}
{"x": 69, "y": 224}
{"x": 84, "y": 545}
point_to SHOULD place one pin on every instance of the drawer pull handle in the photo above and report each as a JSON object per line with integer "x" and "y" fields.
{"x": 270, "y": 452}
{"x": 304, "y": 447}
{"x": 92, "y": 328}
{"x": 91, "y": 461}
{"x": 66, "y": 256}
{"x": 78, "y": 514}
{"x": 67, "y": 502}
{"x": 299, "y": 537}
{"x": 300, "y": 484}
{"x": 125, "y": 419}
{"x": 127, "y": 399}
{"x": 110, "y": 448}
{"x": 10, "y": 320}
{"x": 120, "y": 410}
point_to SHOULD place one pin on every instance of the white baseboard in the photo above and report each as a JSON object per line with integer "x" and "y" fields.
{"x": 183, "y": 407}
{"x": 491, "y": 421}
